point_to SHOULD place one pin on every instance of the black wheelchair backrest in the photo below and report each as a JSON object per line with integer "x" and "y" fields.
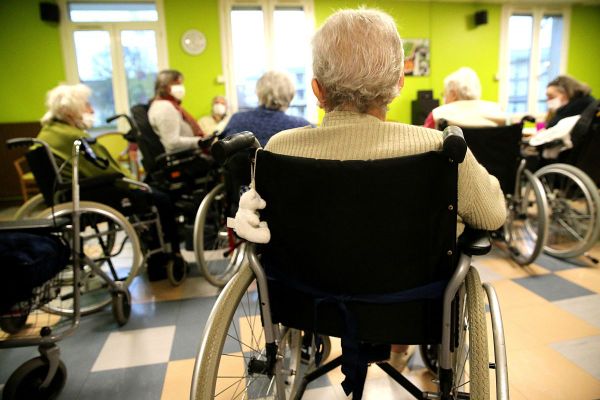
{"x": 586, "y": 142}
{"x": 148, "y": 141}
{"x": 498, "y": 149}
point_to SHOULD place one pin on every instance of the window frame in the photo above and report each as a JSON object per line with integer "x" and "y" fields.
{"x": 119, "y": 79}
{"x": 537, "y": 12}
{"x": 268, "y": 8}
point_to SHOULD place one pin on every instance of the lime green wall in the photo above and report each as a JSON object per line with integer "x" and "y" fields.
{"x": 584, "y": 48}
{"x": 454, "y": 42}
{"x": 32, "y": 60}
{"x": 200, "y": 71}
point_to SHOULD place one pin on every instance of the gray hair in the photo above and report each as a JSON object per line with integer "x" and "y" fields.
{"x": 358, "y": 60}
{"x": 164, "y": 79}
{"x": 66, "y": 103}
{"x": 275, "y": 90}
{"x": 465, "y": 83}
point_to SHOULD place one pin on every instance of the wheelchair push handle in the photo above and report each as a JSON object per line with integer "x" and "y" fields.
{"x": 19, "y": 142}
{"x": 225, "y": 148}
{"x": 131, "y": 135}
{"x": 90, "y": 155}
{"x": 454, "y": 145}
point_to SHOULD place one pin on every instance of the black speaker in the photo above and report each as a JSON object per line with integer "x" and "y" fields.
{"x": 481, "y": 17}
{"x": 49, "y": 12}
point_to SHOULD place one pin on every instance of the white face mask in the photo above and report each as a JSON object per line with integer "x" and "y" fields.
{"x": 87, "y": 119}
{"x": 178, "y": 91}
{"x": 219, "y": 109}
{"x": 554, "y": 104}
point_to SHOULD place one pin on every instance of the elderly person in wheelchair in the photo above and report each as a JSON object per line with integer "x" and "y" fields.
{"x": 68, "y": 117}
{"x": 340, "y": 260}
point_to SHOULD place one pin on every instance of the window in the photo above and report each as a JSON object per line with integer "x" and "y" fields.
{"x": 117, "y": 49}
{"x": 533, "y": 52}
{"x": 264, "y": 35}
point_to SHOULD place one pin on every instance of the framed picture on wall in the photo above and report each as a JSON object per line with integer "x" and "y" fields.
{"x": 416, "y": 57}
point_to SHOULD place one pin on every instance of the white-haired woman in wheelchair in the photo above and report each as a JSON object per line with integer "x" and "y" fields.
{"x": 358, "y": 70}
{"x": 68, "y": 117}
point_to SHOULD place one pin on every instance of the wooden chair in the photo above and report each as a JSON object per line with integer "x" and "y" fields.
{"x": 26, "y": 179}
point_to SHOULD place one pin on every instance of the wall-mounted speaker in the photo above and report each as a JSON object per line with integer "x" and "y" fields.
{"x": 49, "y": 12}
{"x": 481, "y": 17}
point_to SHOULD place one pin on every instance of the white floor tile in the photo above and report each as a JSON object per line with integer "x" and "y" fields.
{"x": 135, "y": 348}
{"x": 584, "y": 352}
{"x": 585, "y": 307}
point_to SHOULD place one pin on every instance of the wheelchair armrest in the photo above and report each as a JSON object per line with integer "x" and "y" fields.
{"x": 36, "y": 225}
{"x": 176, "y": 155}
{"x": 474, "y": 242}
{"x": 100, "y": 180}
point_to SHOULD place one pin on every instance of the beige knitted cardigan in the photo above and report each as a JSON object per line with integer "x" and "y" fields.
{"x": 347, "y": 135}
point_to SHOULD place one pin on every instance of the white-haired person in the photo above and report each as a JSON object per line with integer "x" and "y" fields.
{"x": 214, "y": 123}
{"x": 275, "y": 91}
{"x": 176, "y": 128}
{"x": 358, "y": 70}
{"x": 69, "y": 115}
{"x": 463, "y": 105}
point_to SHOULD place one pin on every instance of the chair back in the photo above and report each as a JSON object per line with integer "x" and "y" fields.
{"x": 498, "y": 149}
{"x": 354, "y": 228}
{"x": 45, "y": 172}
{"x": 148, "y": 141}
{"x": 586, "y": 142}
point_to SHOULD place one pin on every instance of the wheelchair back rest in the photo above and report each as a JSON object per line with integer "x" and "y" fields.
{"x": 44, "y": 171}
{"x": 498, "y": 149}
{"x": 586, "y": 142}
{"x": 148, "y": 141}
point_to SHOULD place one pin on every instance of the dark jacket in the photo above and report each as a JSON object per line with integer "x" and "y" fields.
{"x": 573, "y": 107}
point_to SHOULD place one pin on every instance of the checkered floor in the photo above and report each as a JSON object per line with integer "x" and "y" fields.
{"x": 551, "y": 312}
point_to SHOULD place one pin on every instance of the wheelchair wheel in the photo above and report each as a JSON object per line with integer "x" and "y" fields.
{"x": 232, "y": 362}
{"x": 13, "y": 323}
{"x": 176, "y": 270}
{"x": 470, "y": 356}
{"x": 112, "y": 246}
{"x": 525, "y": 230}
{"x": 574, "y": 210}
{"x": 430, "y": 354}
{"x": 219, "y": 253}
{"x": 31, "y": 207}
{"x": 121, "y": 304}
{"x": 26, "y": 381}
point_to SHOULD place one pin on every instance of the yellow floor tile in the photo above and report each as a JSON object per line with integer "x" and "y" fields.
{"x": 589, "y": 278}
{"x": 512, "y": 295}
{"x": 508, "y": 269}
{"x": 178, "y": 380}
{"x": 143, "y": 291}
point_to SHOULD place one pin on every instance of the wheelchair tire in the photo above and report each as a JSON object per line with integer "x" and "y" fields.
{"x": 31, "y": 207}
{"x": 430, "y": 354}
{"x": 219, "y": 253}
{"x": 121, "y": 304}
{"x": 13, "y": 323}
{"x": 574, "y": 210}
{"x": 233, "y": 336}
{"x": 526, "y": 227}
{"x": 176, "y": 270}
{"x": 473, "y": 347}
{"x": 100, "y": 225}
{"x": 26, "y": 381}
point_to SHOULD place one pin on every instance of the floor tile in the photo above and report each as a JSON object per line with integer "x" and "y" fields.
{"x": 584, "y": 352}
{"x": 142, "y": 382}
{"x": 143, "y": 291}
{"x": 178, "y": 380}
{"x": 556, "y": 264}
{"x": 586, "y": 307}
{"x": 588, "y": 278}
{"x": 191, "y": 320}
{"x": 486, "y": 274}
{"x": 512, "y": 295}
{"x": 134, "y": 348}
{"x": 553, "y": 287}
{"x": 508, "y": 269}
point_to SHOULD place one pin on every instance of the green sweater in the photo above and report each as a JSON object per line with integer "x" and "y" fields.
{"x": 60, "y": 138}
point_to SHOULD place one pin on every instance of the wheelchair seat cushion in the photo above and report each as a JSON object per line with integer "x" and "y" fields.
{"x": 28, "y": 261}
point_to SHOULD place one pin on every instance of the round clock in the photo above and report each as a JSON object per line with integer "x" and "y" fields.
{"x": 193, "y": 42}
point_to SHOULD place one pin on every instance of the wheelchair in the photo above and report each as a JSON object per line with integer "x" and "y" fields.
{"x": 498, "y": 149}
{"x": 204, "y": 192}
{"x": 36, "y": 256}
{"x": 337, "y": 223}
{"x": 570, "y": 183}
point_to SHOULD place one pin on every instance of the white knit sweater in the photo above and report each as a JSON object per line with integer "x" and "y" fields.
{"x": 347, "y": 135}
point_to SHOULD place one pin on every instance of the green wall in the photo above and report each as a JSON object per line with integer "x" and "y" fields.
{"x": 32, "y": 60}
{"x": 584, "y": 46}
{"x": 200, "y": 71}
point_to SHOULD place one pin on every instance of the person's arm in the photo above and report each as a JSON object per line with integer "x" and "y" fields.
{"x": 481, "y": 202}
{"x": 166, "y": 121}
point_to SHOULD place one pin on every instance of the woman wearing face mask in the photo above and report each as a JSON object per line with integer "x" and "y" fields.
{"x": 214, "y": 123}
{"x": 566, "y": 97}
{"x": 175, "y": 127}
{"x": 68, "y": 117}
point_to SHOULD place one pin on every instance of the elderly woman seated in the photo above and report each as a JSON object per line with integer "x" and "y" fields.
{"x": 358, "y": 70}
{"x": 463, "y": 105}
{"x": 68, "y": 117}
{"x": 275, "y": 91}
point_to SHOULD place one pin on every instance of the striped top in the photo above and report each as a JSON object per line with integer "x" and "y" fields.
{"x": 345, "y": 135}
